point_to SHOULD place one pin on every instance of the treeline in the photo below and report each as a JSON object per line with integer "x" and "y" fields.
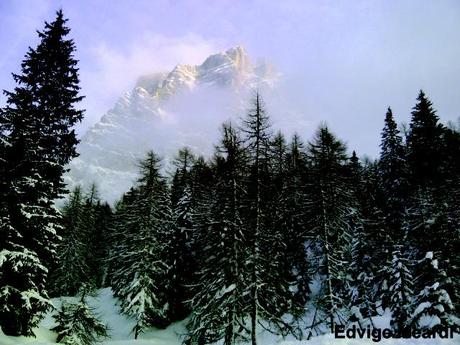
{"x": 255, "y": 237}
{"x": 237, "y": 241}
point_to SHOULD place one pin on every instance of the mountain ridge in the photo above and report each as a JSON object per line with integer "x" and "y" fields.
{"x": 165, "y": 111}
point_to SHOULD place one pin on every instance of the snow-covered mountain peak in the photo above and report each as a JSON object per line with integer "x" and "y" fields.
{"x": 231, "y": 68}
{"x": 165, "y": 111}
{"x": 235, "y": 59}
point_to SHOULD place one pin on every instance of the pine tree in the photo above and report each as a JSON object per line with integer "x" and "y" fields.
{"x": 72, "y": 270}
{"x": 328, "y": 209}
{"x": 101, "y": 244}
{"x": 141, "y": 277}
{"x": 77, "y": 324}
{"x": 433, "y": 301}
{"x": 449, "y": 210}
{"x": 360, "y": 275}
{"x": 361, "y": 278}
{"x": 394, "y": 199}
{"x": 82, "y": 250}
{"x": 182, "y": 261}
{"x": 120, "y": 232}
{"x": 393, "y": 176}
{"x": 219, "y": 306}
{"x": 424, "y": 222}
{"x": 424, "y": 144}
{"x": 400, "y": 290}
{"x": 90, "y": 236}
{"x": 288, "y": 214}
{"x": 37, "y": 123}
{"x": 434, "y": 213}
{"x": 270, "y": 297}
{"x": 368, "y": 252}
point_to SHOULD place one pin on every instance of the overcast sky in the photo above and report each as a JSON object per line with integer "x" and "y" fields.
{"x": 343, "y": 62}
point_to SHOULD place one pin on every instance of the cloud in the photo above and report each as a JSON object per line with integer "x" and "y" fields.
{"x": 115, "y": 68}
{"x": 17, "y": 32}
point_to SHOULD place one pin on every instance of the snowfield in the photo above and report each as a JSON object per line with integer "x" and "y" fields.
{"x": 120, "y": 328}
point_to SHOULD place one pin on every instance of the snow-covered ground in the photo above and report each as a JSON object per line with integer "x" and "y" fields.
{"x": 120, "y": 331}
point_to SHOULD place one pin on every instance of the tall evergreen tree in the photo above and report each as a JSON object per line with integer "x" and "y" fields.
{"x": 449, "y": 210}
{"x": 394, "y": 200}
{"x": 400, "y": 290}
{"x": 360, "y": 275}
{"x": 424, "y": 144}
{"x": 101, "y": 243}
{"x": 288, "y": 214}
{"x": 71, "y": 270}
{"x": 328, "y": 210}
{"x": 393, "y": 176}
{"x": 182, "y": 261}
{"x": 270, "y": 297}
{"x": 433, "y": 301}
{"x": 77, "y": 324}
{"x": 37, "y": 123}
{"x": 140, "y": 280}
{"x": 91, "y": 231}
{"x": 220, "y": 306}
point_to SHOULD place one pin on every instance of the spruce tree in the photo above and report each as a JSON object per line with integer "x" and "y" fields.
{"x": 449, "y": 210}
{"x": 71, "y": 270}
{"x": 393, "y": 176}
{"x": 220, "y": 306}
{"x": 140, "y": 280}
{"x": 329, "y": 203}
{"x": 182, "y": 261}
{"x": 434, "y": 213}
{"x": 432, "y": 305}
{"x": 270, "y": 296}
{"x": 400, "y": 290}
{"x": 424, "y": 144}
{"x": 394, "y": 199}
{"x": 288, "y": 214}
{"x": 77, "y": 324}
{"x": 91, "y": 236}
{"x": 120, "y": 232}
{"x": 37, "y": 123}
{"x": 359, "y": 276}
{"x": 101, "y": 245}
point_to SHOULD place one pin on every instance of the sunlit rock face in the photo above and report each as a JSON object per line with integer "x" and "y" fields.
{"x": 166, "y": 111}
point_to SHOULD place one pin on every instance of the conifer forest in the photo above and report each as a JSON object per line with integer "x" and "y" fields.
{"x": 266, "y": 229}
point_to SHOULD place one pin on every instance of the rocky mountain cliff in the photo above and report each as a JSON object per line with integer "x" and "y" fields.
{"x": 166, "y": 111}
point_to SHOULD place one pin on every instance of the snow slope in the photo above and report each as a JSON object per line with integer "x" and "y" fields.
{"x": 164, "y": 112}
{"x": 120, "y": 331}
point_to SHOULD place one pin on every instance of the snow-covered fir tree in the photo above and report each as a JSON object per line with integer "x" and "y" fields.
{"x": 140, "y": 279}
{"x": 94, "y": 223}
{"x": 393, "y": 199}
{"x": 37, "y": 123}
{"x": 71, "y": 270}
{"x": 424, "y": 142}
{"x": 78, "y": 324}
{"x": 182, "y": 261}
{"x": 220, "y": 305}
{"x": 393, "y": 177}
{"x": 432, "y": 305}
{"x": 361, "y": 277}
{"x": 271, "y": 297}
{"x": 400, "y": 289}
{"x": 329, "y": 203}
{"x": 288, "y": 213}
{"x": 81, "y": 250}
{"x": 368, "y": 252}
